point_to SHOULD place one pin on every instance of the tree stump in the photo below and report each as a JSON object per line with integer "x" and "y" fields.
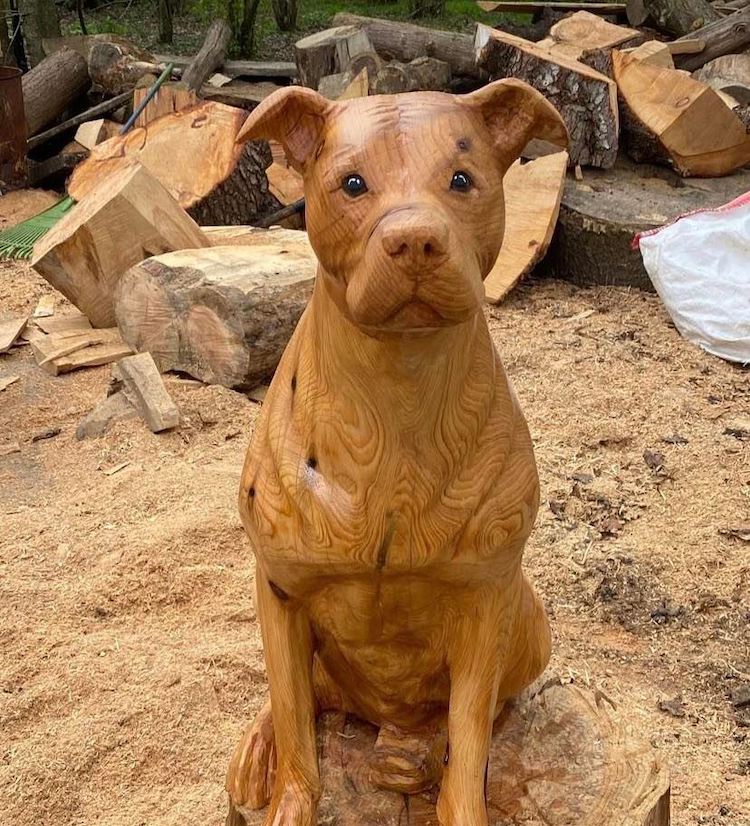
{"x": 194, "y": 155}
{"x": 559, "y": 756}
{"x": 600, "y": 215}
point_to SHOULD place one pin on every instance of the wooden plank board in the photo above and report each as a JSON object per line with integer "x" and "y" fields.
{"x": 532, "y": 203}
{"x": 533, "y": 6}
{"x": 63, "y": 323}
{"x": 10, "y": 331}
{"x": 61, "y": 353}
{"x": 144, "y": 389}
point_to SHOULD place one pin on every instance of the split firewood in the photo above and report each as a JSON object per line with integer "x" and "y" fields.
{"x": 223, "y": 315}
{"x": 210, "y": 57}
{"x": 94, "y": 132}
{"x": 422, "y": 74}
{"x": 195, "y": 156}
{"x": 586, "y": 99}
{"x": 729, "y": 74}
{"x": 653, "y": 52}
{"x": 359, "y": 87}
{"x": 170, "y": 98}
{"x": 57, "y": 354}
{"x": 394, "y": 40}
{"x": 681, "y": 17}
{"x": 584, "y": 31}
{"x": 72, "y": 323}
{"x": 122, "y": 220}
{"x": 50, "y": 87}
{"x": 10, "y": 331}
{"x": 329, "y": 52}
{"x": 143, "y": 387}
{"x": 730, "y": 34}
{"x": 117, "y": 66}
{"x": 529, "y": 222}
{"x": 673, "y": 119}
{"x": 114, "y": 408}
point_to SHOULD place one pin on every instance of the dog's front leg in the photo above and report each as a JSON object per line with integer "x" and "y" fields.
{"x": 288, "y": 646}
{"x": 474, "y": 674}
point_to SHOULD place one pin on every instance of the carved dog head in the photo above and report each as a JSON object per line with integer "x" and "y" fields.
{"x": 404, "y": 200}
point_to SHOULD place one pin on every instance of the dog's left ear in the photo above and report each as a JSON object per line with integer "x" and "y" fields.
{"x": 515, "y": 113}
{"x": 293, "y": 116}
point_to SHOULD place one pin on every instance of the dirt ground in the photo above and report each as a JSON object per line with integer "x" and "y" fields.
{"x": 130, "y": 657}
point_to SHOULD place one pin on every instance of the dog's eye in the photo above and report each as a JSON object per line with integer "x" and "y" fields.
{"x": 354, "y": 185}
{"x": 461, "y": 181}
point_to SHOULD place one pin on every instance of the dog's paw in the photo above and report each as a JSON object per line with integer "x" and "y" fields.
{"x": 251, "y": 775}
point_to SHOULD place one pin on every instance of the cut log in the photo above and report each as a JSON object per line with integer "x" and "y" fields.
{"x": 616, "y": 778}
{"x": 529, "y": 222}
{"x": 670, "y": 118}
{"x": 681, "y": 17}
{"x": 730, "y": 34}
{"x": 729, "y": 74}
{"x": 599, "y": 217}
{"x": 143, "y": 387}
{"x": 329, "y": 52}
{"x": 58, "y": 165}
{"x": 586, "y": 99}
{"x": 193, "y": 153}
{"x": 210, "y": 56}
{"x": 129, "y": 216}
{"x": 223, "y": 315}
{"x": 51, "y": 86}
{"x": 117, "y": 66}
{"x": 256, "y": 69}
{"x": 63, "y": 354}
{"x": 584, "y": 31}
{"x": 94, "y": 132}
{"x": 654, "y": 53}
{"x": 394, "y": 40}
{"x": 423, "y": 74}
{"x": 170, "y": 98}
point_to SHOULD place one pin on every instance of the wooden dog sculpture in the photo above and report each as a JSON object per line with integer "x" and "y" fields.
{"x": 391, "y": 485}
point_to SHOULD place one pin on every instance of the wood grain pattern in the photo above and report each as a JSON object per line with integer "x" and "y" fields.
{"x": 390, "y": 485}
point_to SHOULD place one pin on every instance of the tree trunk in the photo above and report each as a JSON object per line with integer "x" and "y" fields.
{"x": 40, "y": 20}
{"x": 211, "y": 176}
{"x": 394, "y": 40}
{"x": 586, "y": 99}
{"x": 166, "y": 33}
{"x": 681, "y": 17}
{"x": 224, "y": 314}
{"x": 730, "y": 34}
{"x": 210, "y": 57}
{"x": 246, "y": 37}
{"x": 426, "y": 8}
{"x": 51, "y": 86}
{"x": 7, "y": 25}
{"x": 285, "y": 14}
{"x": 13, "y": 169}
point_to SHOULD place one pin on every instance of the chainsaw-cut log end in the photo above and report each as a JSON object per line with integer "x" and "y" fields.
{"x": 558, "y": 756}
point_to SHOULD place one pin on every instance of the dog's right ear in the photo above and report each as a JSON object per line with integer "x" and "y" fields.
{"x": 293, "y": 116}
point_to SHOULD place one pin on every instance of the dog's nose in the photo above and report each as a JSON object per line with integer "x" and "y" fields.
{"x": 420, "y": 242}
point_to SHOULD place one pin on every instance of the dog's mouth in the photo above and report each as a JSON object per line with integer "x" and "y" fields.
{"x": 416, "y": 313}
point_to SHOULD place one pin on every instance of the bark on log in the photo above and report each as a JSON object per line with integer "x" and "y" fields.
{"x": 405, "y": 42}
{"x": 329, "y": 52}
{"x": 729, "y": 74}
{"x": 586, "y": 99}
{"x": 51, "y": 86}
{"x": 210, "y": 57}
{"x": 223, "y": 315}
{"x": 422, "y": 74}
{"x": 127, "y": 217}
{"x": 600, "y": 215}
{"x": 193, "y": 153}
{"x": 615, "y": 778}
{"x": 669, "y": 117}
{"x": 118, "y": 66}
{"x": 681, "y": 17}
{"x": 730, "y": 34}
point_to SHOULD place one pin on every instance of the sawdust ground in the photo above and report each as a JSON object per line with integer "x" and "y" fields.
{"x": 130, "y": 657}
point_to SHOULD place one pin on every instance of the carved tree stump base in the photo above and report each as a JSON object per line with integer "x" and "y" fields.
{"x": 558, "y": 757}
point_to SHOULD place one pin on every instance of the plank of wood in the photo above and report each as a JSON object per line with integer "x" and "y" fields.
{"x": 534, "y": 6}
{"x": 144, "y": 389}
{"x": 126, "y": 216}
{"x": 10, "y": 331}
{"x": 586, "y": 99}
{"x": 584, "y": 31}
{"x": 529, "y": 221}
{"x": 674, "y": 119}
{"x": 240, "y": 68}
{"x": 73, "y": 322}
{"x": 69, "y": 352}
